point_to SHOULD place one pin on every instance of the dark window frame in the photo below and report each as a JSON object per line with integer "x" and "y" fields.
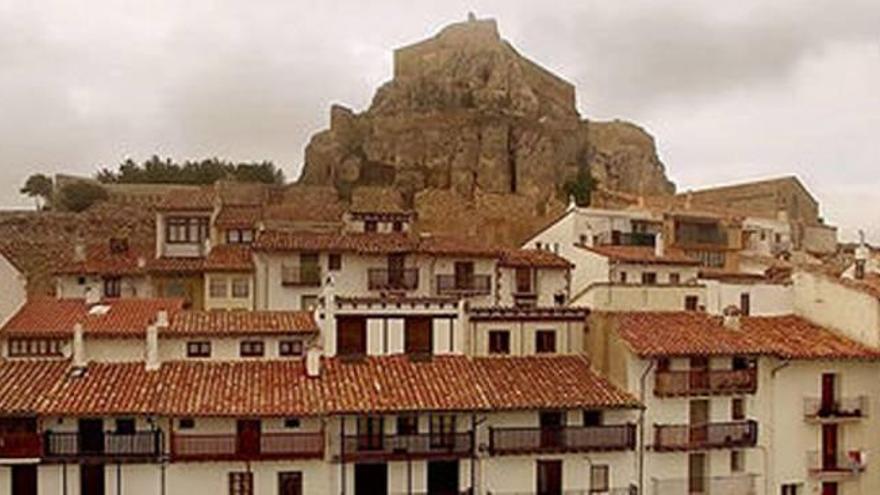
{"x": 241, "y": 483}
{"x": 179, "y": 230}
{"x": 545, "y": 341}
{"x": 252, "y": 348}
{"x": 499, "y": 342}
{"x": 334, "y": 262}
{"x": 112, "y": 287}
{"x": 198, "y": 349}
{"x": 291, "y": 348}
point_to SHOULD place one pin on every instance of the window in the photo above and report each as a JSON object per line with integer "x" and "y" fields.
{"x": 592, "y": 418}
{"x": 113, "y": 287}
{"x": 198, "y": 349}
{"x": 417, "y": 335}
{"x": 241, "y": 483}
{"x": 790, "y": 489}
{"x": 599, "y": 478}
{"x": 743, "y": 363}
{"x": 290, "y": 483}
{"x": 370, "y": 430}
{"x": 499, "y": 342}
{"x": 186, "y": 423}
{"x": 186, "y": 230}
{"x": 219, "y": 288}
{"x": 351, "y": 336}
{"x": 674, "y": 279}
{"x": 649, "y": 278}
{"x": 81, "y": 281}
{"x": 662, "y": 365}
{"x": 737, "y": 461}
{"x": 334, "y": 262}
{"x": 397, "y": 226}
{"x": 408, "y": 424}
{"x": 290, "y": 348}
{"x": 523, "y": 280}
{"x": 442, "y": 430}
{"x": 691, "y": 303}
{"x": 291, "y": 423}
{"x": 745, "y": 303}
{"x": 623, "y": 277}
{"x": 34, "y": 348}
{"x": 583, "y": 239}
{"x": 125, "y": 426}
{"x": 251, "y": 348}
{"x": 241, "y": 288}
{"x": 371, "y": 226}
{"x": 545, "y": 341}
{"x": 738, "y": 409}
{"x": 239, "y": 236}
{"x": 308, "y": 302}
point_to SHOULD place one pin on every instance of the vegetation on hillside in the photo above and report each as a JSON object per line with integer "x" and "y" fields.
{"x": 207, "y": 171}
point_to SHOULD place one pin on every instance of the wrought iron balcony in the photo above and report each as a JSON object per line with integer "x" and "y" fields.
{"x": 707, "y": 436}
{"x": 505, "y": 441}
{"x": 836, "y": 466}
{"x": 474, "y": 285}
{"x": 395, "y": 280}
{"x": 266, "y": 446}
{"x": 20, "y": 446}
{"x": 138, "y": 446}
{"x": 850, "y": 408}
{"x": 705, "y": 382}
{"x": 301, "y": 276}
{"x": 402, "y": 447}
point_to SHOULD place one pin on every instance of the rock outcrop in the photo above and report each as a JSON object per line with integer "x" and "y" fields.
{"x": 468, "y": 120}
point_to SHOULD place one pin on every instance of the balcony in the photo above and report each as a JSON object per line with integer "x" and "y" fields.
{"x": 711, "y": 382}
{"x": 745, "y": 484}
{"x": 138, "y": 446}
{"x": 846, "y": 409}
{"x": 20, "y": 446}
{"x": 475, "y": 285}
{"x": 507, "y": 441}
{"x": 301, "y": 276}
{"x": 731, "y": 435}
{"x": 267, "y": 446}
{"x": 397, "y": 280}
{"x": 841, "y": 466}
{"x": 525, "y": 299}
{"x": 361, "y": 448}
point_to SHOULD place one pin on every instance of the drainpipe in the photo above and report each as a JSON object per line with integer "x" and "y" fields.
{"x": 342, "y": 451}
{"x": 768, "y": 462}
{"x": 118, "y": 478}
{"x": 642, "y": 394}
{"x": 474, "y": 424}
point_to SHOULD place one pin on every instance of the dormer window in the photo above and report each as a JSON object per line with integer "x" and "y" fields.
{"x": 186, "y": 230}
{"x": 112, "y": 287}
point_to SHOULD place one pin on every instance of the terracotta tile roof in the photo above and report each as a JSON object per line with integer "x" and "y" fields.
{"x": 548, "y": 382}
{"x": 533, "y": 258}
{"x": 446, "y": 245}
{"x": 642, "y": 254}
{"x": 228, "y": 323}
{"x": 24, "y": 384}
{"x": 377, "y": 200}
{"x": 306, "y": 204}
{"x": 363, "y": 243}
{"x": 281, "y": 388}
{"x": 200, "y": 200}
{"x": 101, "y": 260}
{"x": 168, "y": 264}
{"x": 243, "y": 217}
{"x": 653, "y": 334}
{"x": 45, "y": 317}
{"x": 229, "y": 258}
{"x": 528, "y": 313}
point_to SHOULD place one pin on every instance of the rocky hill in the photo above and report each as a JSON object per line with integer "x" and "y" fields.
{"x": 477, "y": 138}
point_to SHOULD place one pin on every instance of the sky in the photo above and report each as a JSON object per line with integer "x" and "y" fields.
{"x": 731, "y": 91}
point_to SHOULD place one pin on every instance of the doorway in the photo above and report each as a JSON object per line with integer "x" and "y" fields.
{"x": 443, "y": 478}
{"x": 371, "y": 479}
{"x": 24, "y": 479}
{"x": 697, "y": 473}
{"x": 248, "y": 439}
{"x": 551, "y": 428}
{"x": 418, "y": 335}
{"x": 549, "y": 478}
{"x": 91, "y": 479}
{"x": 699, "y": 423}
{"x": 829, "y": 447}
{"x": 290, "y": 483}
{"x": 829, "y": 394}
{"x": 91, "y": 436}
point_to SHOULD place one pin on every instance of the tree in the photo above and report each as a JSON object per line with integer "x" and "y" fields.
{"x": 39, "y": 187}
{"x": 207, "y": 171}
{"x": 79, "y": 196}
{"x": 581, "y": 187}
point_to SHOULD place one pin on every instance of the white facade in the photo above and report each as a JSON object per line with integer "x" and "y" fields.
{"x": 13, "y": 286}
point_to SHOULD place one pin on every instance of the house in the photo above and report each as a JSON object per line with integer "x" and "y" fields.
{"x": 13, "y": 286}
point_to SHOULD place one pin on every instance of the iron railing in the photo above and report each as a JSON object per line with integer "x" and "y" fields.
{"x": 736, "y": 434}
{"x": 564, "y": 439}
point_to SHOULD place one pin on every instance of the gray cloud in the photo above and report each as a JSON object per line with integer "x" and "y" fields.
{"x": 730, "y": 91}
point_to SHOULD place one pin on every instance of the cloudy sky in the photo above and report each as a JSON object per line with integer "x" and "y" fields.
{"x": 731, "y": 90}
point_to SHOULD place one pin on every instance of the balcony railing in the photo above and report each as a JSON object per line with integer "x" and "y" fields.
{"x": 566, "y": 439}
{"x": 745, "y": 484}
{"x": 20, "y": 446}
{"x": 707, "y": 436}
{"x": 403, "y": 279}
{"x": 474, "y": 285}
{"x": 109, "y": 445}
{"x": 196, "y": 447}
{"x": 842, "y": 409}
{"x": 301, "y": 276}
{"x": 841, "y": 465}
{"x": 402, "y": 447}
{"x": 705, "y": 382}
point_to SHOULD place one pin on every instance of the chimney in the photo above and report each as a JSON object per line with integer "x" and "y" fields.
{"x": 152, "y": 354}
{"x": 688, "y": 200}
{"x": 862, "y": 254}
{"x": 79, "y": 251}
{"x": 659, "y": 245}
{"x": 731, "y": 318}
{"x": 162, "y": 319}
{"x": 141, "y": 262}
{"x": 313, "y": 362}
{"x": 79, "y": 347}
{"x": 93, "y": 297}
